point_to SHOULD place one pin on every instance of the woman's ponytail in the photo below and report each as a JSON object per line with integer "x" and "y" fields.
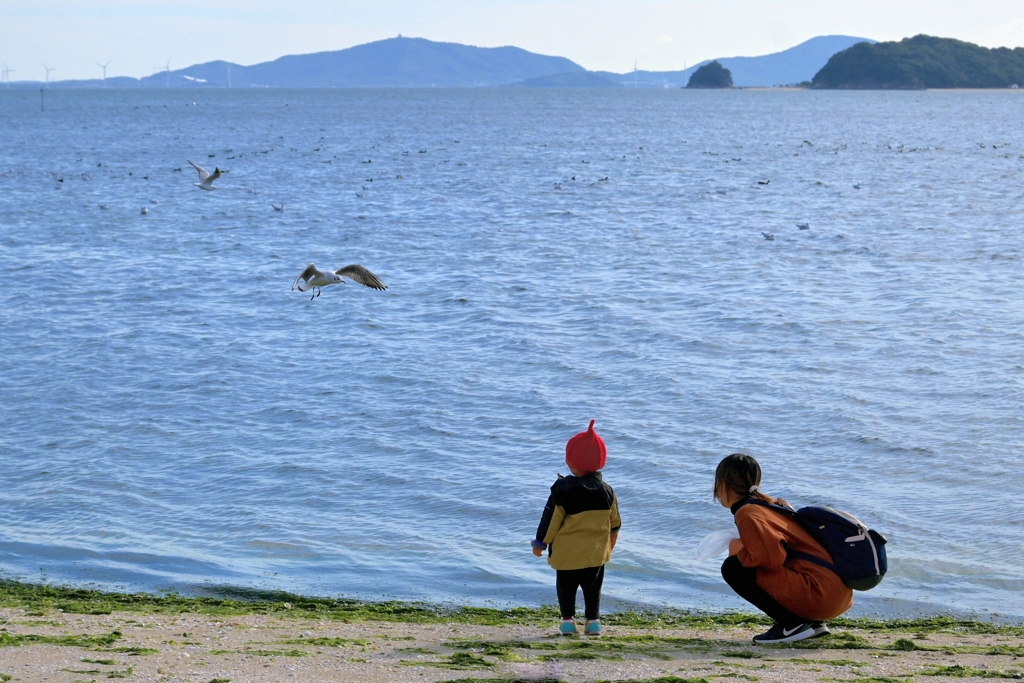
{"x": 741, "y": 474}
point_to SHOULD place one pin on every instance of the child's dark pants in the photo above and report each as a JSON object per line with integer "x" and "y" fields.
{"x": 743, "y": 580}
{"x": 567, "y": 581}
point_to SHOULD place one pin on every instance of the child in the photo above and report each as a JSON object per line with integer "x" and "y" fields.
{"x": 579, "y": 528}
{"x": 797, "y": 594}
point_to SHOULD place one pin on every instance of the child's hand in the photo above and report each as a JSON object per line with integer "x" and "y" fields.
{"x": 735, "y": 546}
{"x": 537, "y": 551}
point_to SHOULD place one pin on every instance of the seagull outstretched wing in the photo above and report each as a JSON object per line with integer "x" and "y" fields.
{"x": 308, "y": 274}
{"x": 203, "y": 173}
{"x": 357, "y": 273}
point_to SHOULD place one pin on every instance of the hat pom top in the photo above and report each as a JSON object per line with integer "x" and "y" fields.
{"x": 586, "y": 451}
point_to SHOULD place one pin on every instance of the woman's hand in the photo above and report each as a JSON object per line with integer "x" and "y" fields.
{"x": 735, "y": 546}
{"x": 537, "y": 551}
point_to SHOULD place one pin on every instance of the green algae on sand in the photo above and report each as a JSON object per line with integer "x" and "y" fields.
{"x": 85, "y": 641}
{"x": 40, "y": 600}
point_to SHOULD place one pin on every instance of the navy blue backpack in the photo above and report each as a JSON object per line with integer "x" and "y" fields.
{"x": 858, "y": 553}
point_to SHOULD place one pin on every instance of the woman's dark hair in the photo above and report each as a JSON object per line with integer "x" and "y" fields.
{"x": 739, "y": 472}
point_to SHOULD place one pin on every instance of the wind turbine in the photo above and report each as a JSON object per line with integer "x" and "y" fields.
{"x": 104, "y": 67}
{"x": 168, "y": 70}
{"x": 7, "y": 76}
{"x": 48, "y": 70}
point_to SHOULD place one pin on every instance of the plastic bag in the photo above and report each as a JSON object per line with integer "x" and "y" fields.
{"x": 715, "y": 544}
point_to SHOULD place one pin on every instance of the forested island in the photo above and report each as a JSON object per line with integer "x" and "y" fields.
{"x": 922, "y": 62}
{"x": 711, "y": 75}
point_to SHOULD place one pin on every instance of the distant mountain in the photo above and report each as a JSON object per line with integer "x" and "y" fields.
{"x": 795, "y": 65}
{"x": 923, "y": 62}
{"x": 420, "y": 63}
{"x": 392, "y": 63}
{"x": 573, "y": 79}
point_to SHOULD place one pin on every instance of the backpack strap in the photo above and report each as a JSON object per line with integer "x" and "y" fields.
{"x": 797, "y": 555}
{"x": 790, "y": 553}
{"x": 774, "y": 506}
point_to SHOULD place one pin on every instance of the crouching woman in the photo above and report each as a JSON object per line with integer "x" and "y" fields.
{"x": 799, "y": 595}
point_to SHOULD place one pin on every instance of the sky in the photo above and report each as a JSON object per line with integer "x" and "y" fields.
{"x": 138, "y": 37}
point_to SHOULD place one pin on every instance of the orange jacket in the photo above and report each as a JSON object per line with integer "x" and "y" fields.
{"x": 804, "y": 588}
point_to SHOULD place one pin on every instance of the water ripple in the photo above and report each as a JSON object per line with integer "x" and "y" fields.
{"x": 173, "y": 416}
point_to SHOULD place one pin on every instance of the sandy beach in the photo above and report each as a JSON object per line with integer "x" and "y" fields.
{"x": 49, "y": 635}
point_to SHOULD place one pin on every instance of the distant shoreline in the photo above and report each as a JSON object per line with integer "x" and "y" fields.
{"x": 759, "y": 88}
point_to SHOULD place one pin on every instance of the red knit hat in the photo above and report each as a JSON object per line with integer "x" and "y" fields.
{"x": 586, "y": 451}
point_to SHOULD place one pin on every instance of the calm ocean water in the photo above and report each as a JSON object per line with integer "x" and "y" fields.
{"x": 172, "y": 416}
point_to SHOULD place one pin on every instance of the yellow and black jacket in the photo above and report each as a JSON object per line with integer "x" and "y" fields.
{"x": 580, "y": 516}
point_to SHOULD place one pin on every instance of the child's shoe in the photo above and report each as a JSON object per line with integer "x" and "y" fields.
{"x": 568, "y": 628}
{"x": 593, "y": 628}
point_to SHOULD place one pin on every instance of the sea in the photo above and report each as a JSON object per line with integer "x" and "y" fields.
{"x": 174, "y": 417}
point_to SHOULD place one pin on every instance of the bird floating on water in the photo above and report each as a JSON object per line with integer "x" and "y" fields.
{"x": 144, "y": 210}
{"x": 768, "y": 236}
{"x": 278, "y": 208}
{"x": 313, "y": 278}
{"x": 804, "y": 226}
{"x": 205, "y": 177}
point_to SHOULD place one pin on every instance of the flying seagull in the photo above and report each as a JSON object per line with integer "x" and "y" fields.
{"x": 205, "y": 177}
{"x": 313, "y": 278}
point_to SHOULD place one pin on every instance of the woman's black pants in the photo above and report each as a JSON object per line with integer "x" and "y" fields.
{"x": 743, "y": 580}
{"x": 567, "y": 581}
